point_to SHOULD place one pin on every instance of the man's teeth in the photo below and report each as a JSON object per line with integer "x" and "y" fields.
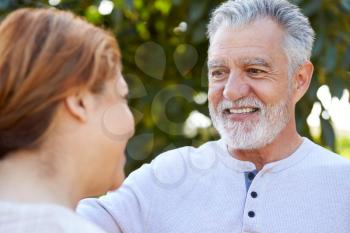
{"x": 242, "y": 110}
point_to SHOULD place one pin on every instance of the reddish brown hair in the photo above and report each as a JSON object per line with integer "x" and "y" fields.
{"x": 47, "y": 54}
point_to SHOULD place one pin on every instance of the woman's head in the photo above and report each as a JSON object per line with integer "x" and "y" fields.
{"x": 58, "y": 72}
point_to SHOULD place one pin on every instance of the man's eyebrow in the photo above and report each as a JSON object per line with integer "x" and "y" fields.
{"x": 216, "y": 63}
{"x": 255, "y": 61}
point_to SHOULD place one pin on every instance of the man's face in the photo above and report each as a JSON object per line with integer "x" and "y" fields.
{"x": 249, "y": 92}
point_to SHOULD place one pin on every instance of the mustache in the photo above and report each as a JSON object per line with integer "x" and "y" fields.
{"x": 243, "y": 102}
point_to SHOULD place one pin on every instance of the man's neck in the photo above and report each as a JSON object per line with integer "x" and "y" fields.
{"x": 281, "y": 147}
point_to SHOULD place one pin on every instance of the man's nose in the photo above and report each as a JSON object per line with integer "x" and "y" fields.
{"x": 236, "y": 87}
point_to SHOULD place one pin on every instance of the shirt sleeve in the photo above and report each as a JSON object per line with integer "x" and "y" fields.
{"x": 122, "y": 211}
{"x": 136, "y": 206}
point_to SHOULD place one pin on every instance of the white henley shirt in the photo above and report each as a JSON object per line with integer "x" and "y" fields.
{"x": 206, "y": 190}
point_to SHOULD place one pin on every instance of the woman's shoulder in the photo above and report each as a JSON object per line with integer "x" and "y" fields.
{"x": 40, "y": 218}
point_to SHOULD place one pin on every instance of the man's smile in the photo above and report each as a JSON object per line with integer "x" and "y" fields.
{"x": 241, "y": 113}
{"x": 242, "y": 110}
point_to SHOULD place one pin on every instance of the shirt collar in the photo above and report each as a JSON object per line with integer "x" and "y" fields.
{"x": 243, "y": 166}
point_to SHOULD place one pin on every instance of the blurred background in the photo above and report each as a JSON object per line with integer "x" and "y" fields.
{"x": 164, "y": 49}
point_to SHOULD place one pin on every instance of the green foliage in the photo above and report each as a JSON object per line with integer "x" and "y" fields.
{"x": 165, "y": 63}
{"x": 343, "y": 145}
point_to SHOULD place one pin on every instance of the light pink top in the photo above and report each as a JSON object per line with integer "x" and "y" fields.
{"x": 42, "y": 218}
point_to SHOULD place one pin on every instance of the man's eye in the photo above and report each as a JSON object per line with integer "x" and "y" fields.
{"x": 254, "y": 71}
{"x": 218, "y": 74}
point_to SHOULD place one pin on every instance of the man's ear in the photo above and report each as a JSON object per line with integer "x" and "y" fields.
{"x": 302, "y": 80}
{"x": 78, "y": 105}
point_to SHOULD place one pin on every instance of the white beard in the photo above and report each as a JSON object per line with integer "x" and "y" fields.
{"x": 254, "y": 134}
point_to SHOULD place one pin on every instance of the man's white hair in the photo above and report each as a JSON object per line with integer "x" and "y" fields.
{"x": 299, "y": 35}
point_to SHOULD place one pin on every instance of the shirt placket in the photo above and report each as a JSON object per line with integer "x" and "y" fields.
{"x": 251, "y": 210}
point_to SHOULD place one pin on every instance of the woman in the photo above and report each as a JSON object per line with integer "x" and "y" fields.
{"x": 64, "y": 120}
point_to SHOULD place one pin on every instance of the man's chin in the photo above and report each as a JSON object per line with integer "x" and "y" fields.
{"x": 243, "y": 141}
{"x": 234, "y": 145}
{"x": 246, "y": 147}
{"x": 240, "y": 131}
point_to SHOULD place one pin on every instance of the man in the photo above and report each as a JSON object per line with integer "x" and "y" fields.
{"x": 261, "y": 176}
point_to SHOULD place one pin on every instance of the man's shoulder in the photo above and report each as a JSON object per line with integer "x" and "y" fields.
{"x": 323, "y": 156}
{"x": 184, "y": 153}
{"x": 172, "y": 166}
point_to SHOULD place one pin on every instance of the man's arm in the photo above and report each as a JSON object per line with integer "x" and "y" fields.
{"x": 93, "y": 210}
{"x": 121, "y": 211}
{"x": 127, "y": 209}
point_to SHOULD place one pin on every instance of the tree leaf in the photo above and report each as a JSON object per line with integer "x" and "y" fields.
{"x": 318, "y": 45}
{"x": 4, "y": 4}
{"x": 336, "y": 86}
{"x": 345, "y": 4}
{"x": 196, "y": 10}
{"x": 346, "y": 60}
{"x": 185, "y": 58}
{"x": 199, "y": 33}
{"x": 312, "y": 7}
{"x": 331, "y": 58}
{"x": 327, "y": 134}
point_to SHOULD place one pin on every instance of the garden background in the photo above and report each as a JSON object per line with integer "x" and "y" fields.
{"x": 164, "y": 49}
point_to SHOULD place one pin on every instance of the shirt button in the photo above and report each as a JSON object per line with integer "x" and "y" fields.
{"x": 251, "y": 175}
{"x": 254, "y": 194}
{"x": 251, "y": 214}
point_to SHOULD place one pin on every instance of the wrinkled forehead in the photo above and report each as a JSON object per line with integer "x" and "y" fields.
{"x": 259, "y": 41}
{"x": 253, "y": 60}
{"x": 258, "y": 32}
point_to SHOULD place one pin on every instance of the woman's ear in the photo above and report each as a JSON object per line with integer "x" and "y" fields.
{"x": 78, "y": 105}
{"x": 302, "y": 80}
